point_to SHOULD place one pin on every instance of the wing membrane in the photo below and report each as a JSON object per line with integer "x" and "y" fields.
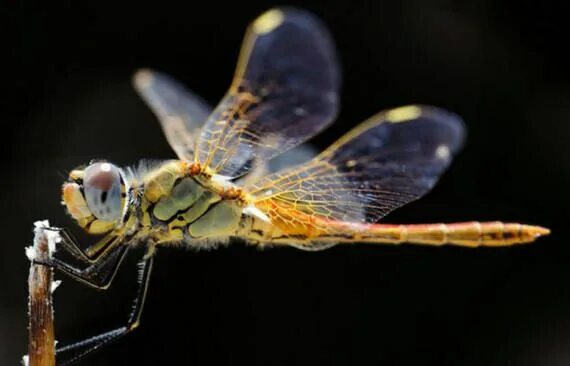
{"x": 392, "y": 159}
{"x": 296, "y": 156}
{"x": 180, "y": 112}
{"x": 285, "y": 90}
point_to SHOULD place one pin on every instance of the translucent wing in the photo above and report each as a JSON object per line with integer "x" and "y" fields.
{"x": 389, "y": 160}
{"x": 285, "y": 90}
{"x": 180, "y": 112}
{"x": 296, "y": 156}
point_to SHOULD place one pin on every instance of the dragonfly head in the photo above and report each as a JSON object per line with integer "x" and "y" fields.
{"x": 96, "y": 196}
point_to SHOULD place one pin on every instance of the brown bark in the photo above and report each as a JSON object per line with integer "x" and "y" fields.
{"x": 41, "y": 347}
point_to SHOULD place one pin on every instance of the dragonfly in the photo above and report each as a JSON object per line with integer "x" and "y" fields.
{"x": 242, "y": 170}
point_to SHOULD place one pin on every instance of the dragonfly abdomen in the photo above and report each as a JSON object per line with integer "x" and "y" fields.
{"x": 468, "y": 234}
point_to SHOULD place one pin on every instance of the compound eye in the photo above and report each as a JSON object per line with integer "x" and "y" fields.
{"x": 102, "y": 189}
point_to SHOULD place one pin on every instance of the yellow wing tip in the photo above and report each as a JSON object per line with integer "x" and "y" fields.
{"x": 142, "y": 78}
{"x": 268, "y": 21}
{"x": 402, "y": 114}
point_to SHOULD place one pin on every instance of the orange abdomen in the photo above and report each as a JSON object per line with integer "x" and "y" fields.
{"x": 469, "y": 234}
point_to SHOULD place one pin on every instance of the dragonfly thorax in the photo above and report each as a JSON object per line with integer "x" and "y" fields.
{"x": 187, "y": 208}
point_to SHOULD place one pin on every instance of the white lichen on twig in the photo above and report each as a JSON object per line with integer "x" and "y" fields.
{"x": 55, "y": 285}
{"x": 53, "y": 238}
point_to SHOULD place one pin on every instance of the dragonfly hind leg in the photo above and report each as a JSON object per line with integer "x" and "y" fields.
{"x": 83, "y": 348}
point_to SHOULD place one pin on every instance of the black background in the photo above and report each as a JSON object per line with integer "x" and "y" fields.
{"x": 500, "y": 65}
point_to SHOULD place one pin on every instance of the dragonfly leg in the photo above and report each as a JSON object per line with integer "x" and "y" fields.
{"x": 82, "y": 348}
{"x": 98, "y": 275}
{"x": 89, "y": 255}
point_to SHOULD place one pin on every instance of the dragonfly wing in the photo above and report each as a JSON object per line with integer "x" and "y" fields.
{"x": 391, "y": 159}
{"x": 285, "y": 90}
{"x": 296, "y": 156}
{"x": 180, "y": 112}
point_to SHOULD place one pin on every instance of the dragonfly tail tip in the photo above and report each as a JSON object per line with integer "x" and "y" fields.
{"x": 535, "y": 231}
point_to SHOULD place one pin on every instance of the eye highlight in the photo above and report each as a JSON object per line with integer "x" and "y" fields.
{"x": 102, "y": 190}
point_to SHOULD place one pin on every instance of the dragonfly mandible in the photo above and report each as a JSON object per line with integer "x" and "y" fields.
{"x": 242, "y": 172}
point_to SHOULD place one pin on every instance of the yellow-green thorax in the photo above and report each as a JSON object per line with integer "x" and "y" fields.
{"x": 177, "y": 206}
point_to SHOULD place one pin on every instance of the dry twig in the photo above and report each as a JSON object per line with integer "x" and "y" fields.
{"x": 41, "y": 346}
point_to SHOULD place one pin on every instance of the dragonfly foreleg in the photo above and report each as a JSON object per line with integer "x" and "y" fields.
{"x": 89, "y": 255}
{"x": 99, "y": 275}
{"x": 83, "y": 348}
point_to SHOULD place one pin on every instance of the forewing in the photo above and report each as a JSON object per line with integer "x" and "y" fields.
{"x": 285, "y": 90}
{"x": 296, "y": 156}
{"x": 392, "y": 159}
{"x": 180, "y": 112}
